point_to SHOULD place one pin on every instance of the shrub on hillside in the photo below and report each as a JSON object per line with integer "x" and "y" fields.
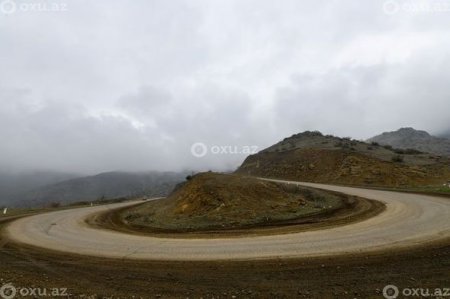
{"x": 397, "y": 159}
{"x": 55, "y": 205}
{"x": 411, "y": 151}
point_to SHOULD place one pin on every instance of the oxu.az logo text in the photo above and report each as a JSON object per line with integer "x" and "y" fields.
{"x": 9, "y": 291}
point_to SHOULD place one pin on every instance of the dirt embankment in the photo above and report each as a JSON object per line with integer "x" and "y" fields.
{"x": 211, "y": 201}
{"x": 353, "y": 209}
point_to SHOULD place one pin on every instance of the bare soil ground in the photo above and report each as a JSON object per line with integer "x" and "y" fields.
{"x": 354, "y": 276}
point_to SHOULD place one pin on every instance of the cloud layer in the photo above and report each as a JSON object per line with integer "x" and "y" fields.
{"x": 131, "y": 86}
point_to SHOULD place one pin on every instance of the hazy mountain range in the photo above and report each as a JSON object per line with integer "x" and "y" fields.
{"x": 23, "y": 192}
{"x": 406, "y": 138}
{"x": 445, "y": 135}
{"x": 12, "y": 184}
{"x": 306, "y": 156}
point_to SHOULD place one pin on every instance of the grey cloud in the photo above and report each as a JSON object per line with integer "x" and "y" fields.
{"x": 131, "y": 86}
{"x": 369, "y": 99}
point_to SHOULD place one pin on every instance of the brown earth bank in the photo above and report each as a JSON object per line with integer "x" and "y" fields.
{"x": 213, "y": 201}
{"x": 353, "y": 276}
{"x": 312, "y": 157}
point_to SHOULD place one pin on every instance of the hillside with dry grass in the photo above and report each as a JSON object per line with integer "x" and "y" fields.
{"x": 313, "y": 157}
{"x": 216, "y": 201}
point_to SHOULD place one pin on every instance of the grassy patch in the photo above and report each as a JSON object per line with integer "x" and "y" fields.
{"x": 432, "y": 189}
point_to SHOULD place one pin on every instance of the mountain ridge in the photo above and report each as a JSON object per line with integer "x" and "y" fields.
{"x": 105, "y": 185}
{"x": 408, "y": 137}
{"x": 314, "y": 157}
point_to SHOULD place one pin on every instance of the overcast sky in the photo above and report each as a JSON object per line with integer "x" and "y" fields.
{"x": 91, "y": 86}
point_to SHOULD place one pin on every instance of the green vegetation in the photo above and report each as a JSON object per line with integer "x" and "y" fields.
{"x": 433, "y": 189}
{"x": 408, "y": 151}
{"x": 19, "y": 212}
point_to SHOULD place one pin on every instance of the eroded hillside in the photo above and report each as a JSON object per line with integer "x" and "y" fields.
{"x": 311, "y": 156}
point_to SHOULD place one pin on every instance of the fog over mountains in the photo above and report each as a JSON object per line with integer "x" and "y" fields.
{"x": 12, "y": 184}
{"x": 41, "y": 188}
{"x": 23, "y": 191}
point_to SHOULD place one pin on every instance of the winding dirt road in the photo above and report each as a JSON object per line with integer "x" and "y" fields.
{"x": 408, "y": 220}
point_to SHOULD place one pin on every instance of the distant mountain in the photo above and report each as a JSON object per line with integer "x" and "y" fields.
{"x": 12, "y": 184}
{"x": 405, "y": 138}
{"x": 445, "y": 135}
{"x": 314, "y": 157}
{"x": 102, "y": 186}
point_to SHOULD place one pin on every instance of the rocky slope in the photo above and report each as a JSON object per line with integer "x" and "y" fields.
{"x": 405, "y": 138}
{"x": 313, "y": 157}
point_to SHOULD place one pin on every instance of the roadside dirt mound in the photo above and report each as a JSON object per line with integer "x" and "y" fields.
{"x": 211, "y": 201}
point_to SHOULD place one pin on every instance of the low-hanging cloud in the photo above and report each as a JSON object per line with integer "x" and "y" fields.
{"x": 132, "y": 86}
